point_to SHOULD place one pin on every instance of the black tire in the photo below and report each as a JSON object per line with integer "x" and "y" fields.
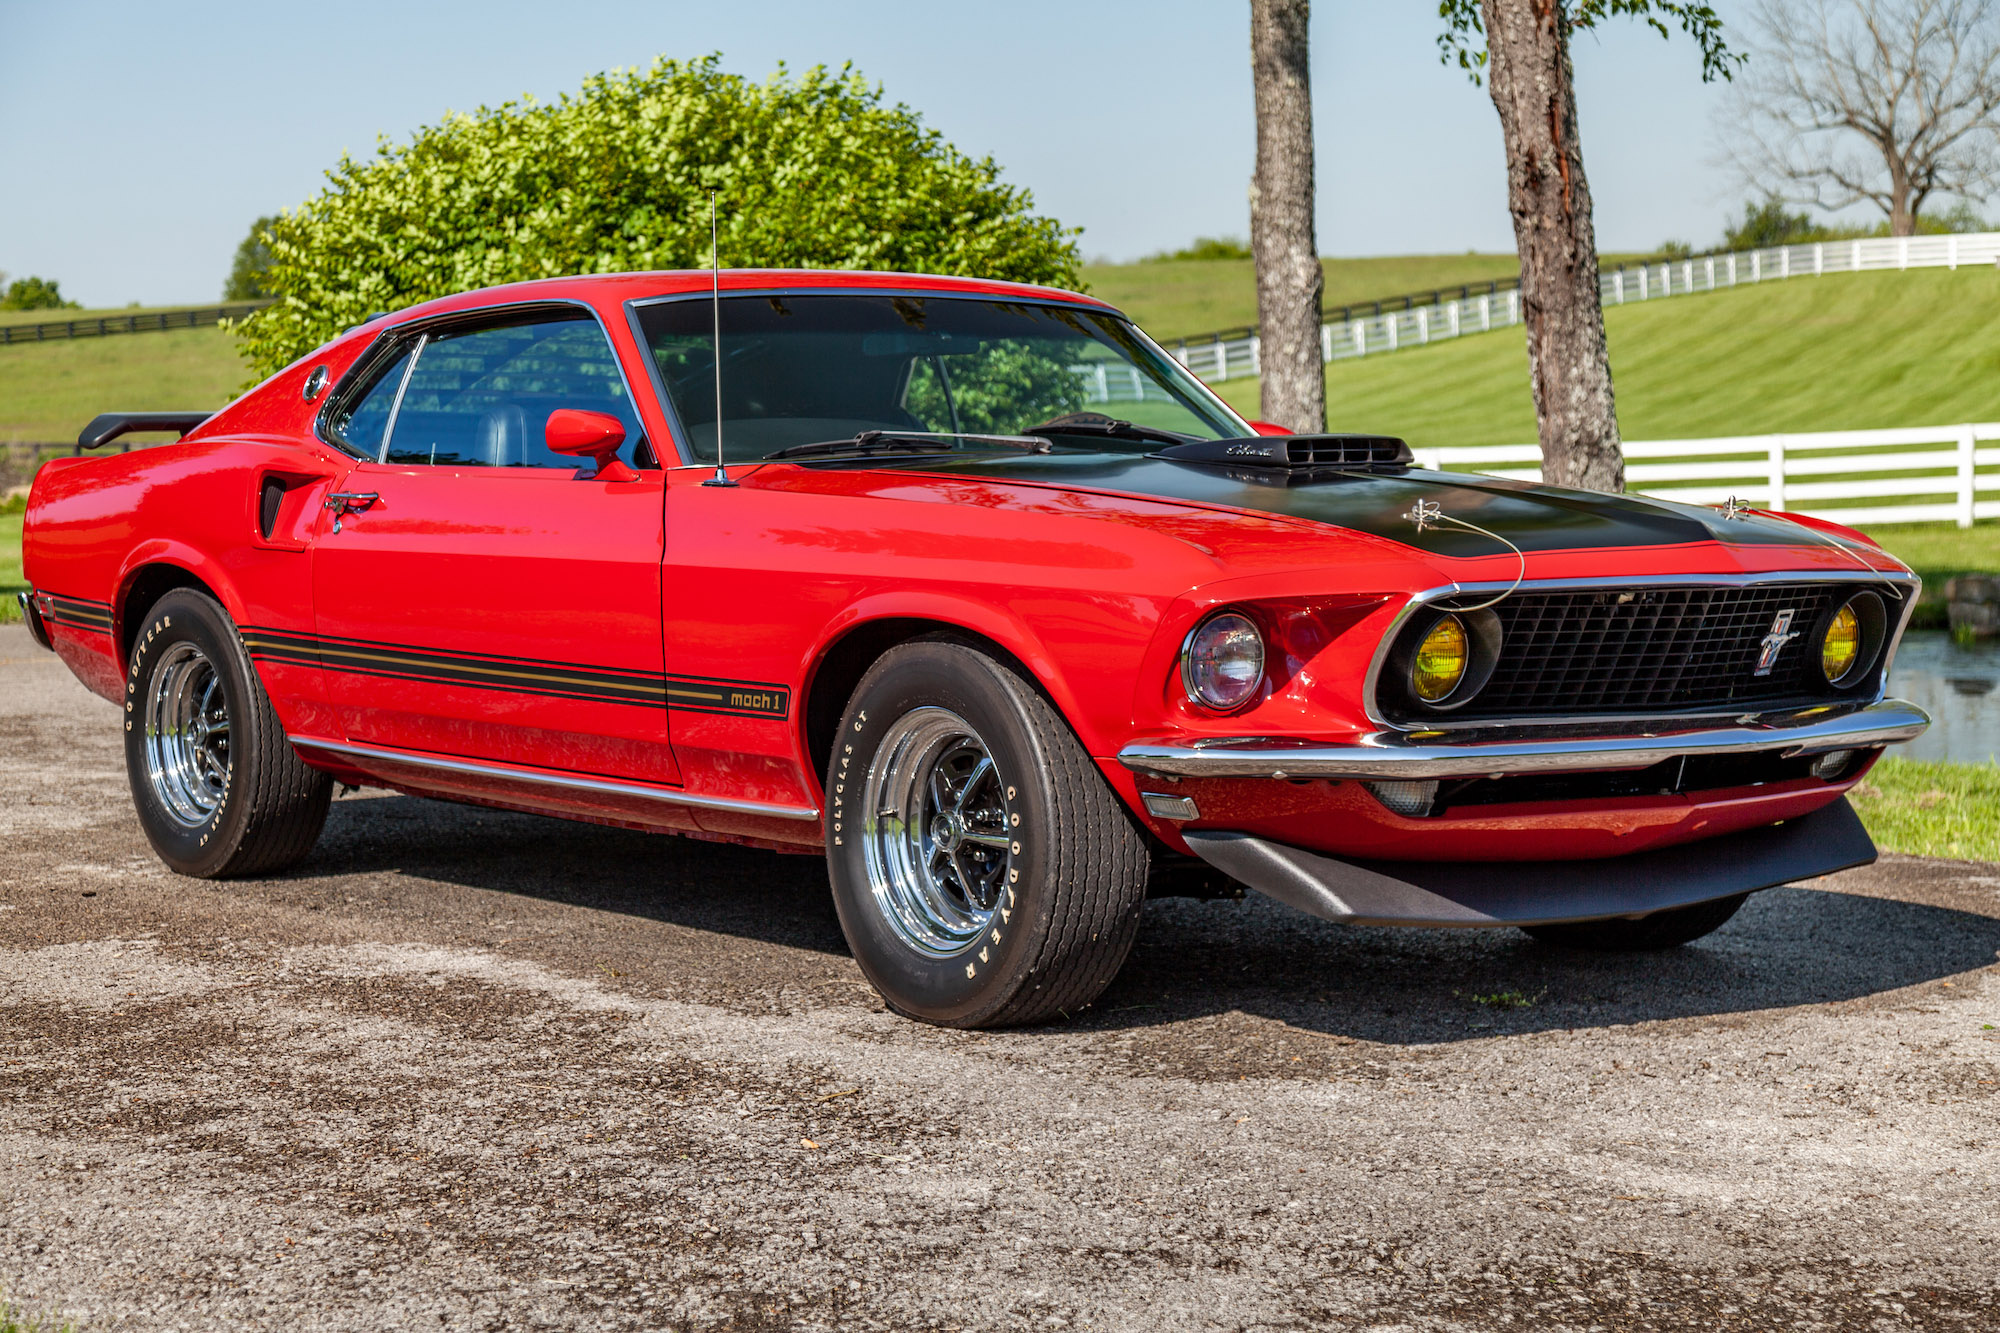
{"x": 1068, "y": 875}
{"x": 251, "y": 807}
{"x": 1661, "y": 930}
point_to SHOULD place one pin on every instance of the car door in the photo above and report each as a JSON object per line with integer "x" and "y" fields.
{"x": 475, "y": 594}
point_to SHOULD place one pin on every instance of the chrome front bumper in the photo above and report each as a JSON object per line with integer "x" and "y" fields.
{"x": 1497, "y": 751}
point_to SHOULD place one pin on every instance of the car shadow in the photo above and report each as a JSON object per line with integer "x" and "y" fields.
{"x": 733, "y": 890}
{"x": 1787, "y": 947}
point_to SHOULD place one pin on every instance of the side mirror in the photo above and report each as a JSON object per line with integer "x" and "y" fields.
{"x": 1268, "y": 428}
{"x": 594, "y": 435}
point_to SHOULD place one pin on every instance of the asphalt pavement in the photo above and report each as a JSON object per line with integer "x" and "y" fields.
{"x": 472, "y": 1070}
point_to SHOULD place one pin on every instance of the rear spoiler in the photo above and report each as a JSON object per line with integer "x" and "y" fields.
{"x": 108, "y": 426}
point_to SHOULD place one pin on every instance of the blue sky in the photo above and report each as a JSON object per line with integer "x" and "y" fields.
{"x": 138, "y": 141}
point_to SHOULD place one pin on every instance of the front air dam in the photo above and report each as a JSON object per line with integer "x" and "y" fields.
{"x": 1533, "y": 893}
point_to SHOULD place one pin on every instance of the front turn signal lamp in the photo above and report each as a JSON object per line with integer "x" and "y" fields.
{"x": 1841, "y": 648}
{"x": 1222, "y": 663}
{"x": 1441, "y": 661}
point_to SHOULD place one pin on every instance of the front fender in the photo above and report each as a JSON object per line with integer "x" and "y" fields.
{"x": 1003, "y": 627}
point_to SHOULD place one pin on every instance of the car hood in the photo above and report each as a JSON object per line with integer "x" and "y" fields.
{"x": 1532, "y": 516}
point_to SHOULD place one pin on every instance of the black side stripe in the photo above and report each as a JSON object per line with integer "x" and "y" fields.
{"x": 74, "y": 612}
{"x": 485, "y": 671}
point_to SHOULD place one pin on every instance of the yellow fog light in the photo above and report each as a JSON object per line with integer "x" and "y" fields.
{"x": 1841, "y": 647}
{"x": 1441, "y": 661}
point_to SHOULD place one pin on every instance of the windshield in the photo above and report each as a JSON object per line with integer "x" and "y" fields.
{"x": 803, "y": 369}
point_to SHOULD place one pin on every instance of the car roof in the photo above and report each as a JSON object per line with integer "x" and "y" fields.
{"x": 617, "y": 288}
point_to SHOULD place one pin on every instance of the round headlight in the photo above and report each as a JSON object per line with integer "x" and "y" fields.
{"x": 1441, "y": 661}
{"x": 1223, "y": 663}
{"x": 1841, "y": 648}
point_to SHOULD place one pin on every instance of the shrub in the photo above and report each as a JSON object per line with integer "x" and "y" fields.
{"x": 813, "y": 171}
{"x": 1204, "y": 247}
{"x": 34, "y": 294}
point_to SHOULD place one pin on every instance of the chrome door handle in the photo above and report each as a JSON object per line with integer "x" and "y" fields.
{"x": 343, "y": 503}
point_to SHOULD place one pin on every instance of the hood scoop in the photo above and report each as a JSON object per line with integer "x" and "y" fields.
{"x": 1279, "y": 456}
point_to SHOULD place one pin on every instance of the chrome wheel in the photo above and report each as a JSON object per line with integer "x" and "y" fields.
{"x": 939, "y": 839}
{"x": 187, "y": 735}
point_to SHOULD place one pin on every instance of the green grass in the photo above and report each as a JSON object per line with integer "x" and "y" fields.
{"x": 11, "y": 578}
{"x": 48, "y": 391}
{"x": 1937, "y": 551}
{"x": 1849, "y": 352}
{"x": 1178, "y": 300}
{"x": 1933, "y": 809}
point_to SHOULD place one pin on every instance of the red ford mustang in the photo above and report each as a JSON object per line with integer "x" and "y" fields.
{"x": 987, "y": 599}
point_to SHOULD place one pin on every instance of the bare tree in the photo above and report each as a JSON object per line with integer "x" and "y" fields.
{"x": 1885, "y": 102}
{"x": 1527, "y": 64}
{"x": 1289, "y": 280}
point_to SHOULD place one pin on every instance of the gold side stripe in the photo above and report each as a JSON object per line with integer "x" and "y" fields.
{"x": 432, "y": 666}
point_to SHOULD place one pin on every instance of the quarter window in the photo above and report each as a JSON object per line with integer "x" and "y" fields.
{"x": 358, "y": 420}
{"x": 481, "y": 397}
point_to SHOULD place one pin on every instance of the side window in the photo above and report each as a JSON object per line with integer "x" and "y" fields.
{"x": 481, "y": 397}
{"x": 359, "y": 419}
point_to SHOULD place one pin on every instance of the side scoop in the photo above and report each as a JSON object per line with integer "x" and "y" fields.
{"x": 1534, "y": 893}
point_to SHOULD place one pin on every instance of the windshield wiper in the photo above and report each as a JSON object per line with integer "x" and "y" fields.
{"x": 906, "y": 442}
{"x": 1109, "y": 427}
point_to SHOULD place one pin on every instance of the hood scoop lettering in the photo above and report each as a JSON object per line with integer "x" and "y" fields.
{"x": 1285, "y": 454}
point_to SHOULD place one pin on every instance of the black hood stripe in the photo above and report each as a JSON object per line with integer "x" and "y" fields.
{"x": 1534, "y": 517}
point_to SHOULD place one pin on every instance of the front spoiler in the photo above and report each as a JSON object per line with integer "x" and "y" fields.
{"x": 1532, "y": 893}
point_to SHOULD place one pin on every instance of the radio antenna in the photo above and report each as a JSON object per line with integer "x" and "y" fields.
{"x": 721, "y": 477}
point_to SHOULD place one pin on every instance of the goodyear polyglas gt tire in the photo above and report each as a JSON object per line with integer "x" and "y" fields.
{"x": 984, "y": 871}
{"x": 218, "y": 788}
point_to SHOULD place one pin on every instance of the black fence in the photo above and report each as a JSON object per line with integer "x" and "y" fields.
{"x": 26, "y": 457}
{"x": 138, "y": 321}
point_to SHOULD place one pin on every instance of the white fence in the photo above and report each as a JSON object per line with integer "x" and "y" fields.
{"x": 1938, "y": 473}
{"x": 1224, "y": 357}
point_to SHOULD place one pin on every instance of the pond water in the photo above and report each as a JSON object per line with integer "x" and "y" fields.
{"x": 1959, "y": 686}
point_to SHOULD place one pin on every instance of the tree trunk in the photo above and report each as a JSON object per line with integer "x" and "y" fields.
{"x": 1528, "y": 73}
{"x": 1902, "y": 214}
{"x": 1289, "y": 281}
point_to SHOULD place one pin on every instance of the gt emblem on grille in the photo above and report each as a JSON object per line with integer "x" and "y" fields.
{"x": 1781, "y": 634}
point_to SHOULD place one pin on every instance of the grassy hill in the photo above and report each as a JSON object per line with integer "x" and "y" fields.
{"x": 1848, "y": 352}
{"x": 1180, "y": 299}
{"x": 49, "y": 390}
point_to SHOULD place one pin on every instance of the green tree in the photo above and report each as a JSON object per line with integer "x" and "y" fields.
{"x": 813, "y": 171}
{"x": 35, "y": 294}
{"x": 1769, "y": 223}
{"x": 253, "y": 261}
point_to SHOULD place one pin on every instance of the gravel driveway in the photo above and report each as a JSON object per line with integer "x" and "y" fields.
{"x": 474, "y": 1070}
